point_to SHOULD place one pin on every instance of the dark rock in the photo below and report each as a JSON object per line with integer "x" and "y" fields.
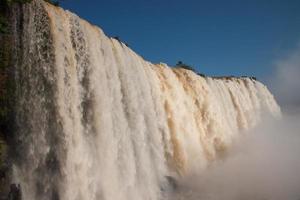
{"x": 169, "y": 184}
{"x": 15, "y": 192}
{"x": 172, "y": 182}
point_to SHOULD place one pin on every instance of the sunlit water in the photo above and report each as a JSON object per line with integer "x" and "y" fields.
{"x": 95, "y": 121}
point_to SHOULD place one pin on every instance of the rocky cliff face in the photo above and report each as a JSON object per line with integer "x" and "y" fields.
{"x": 6, "y": 95}
{"x": 90, "y": 119}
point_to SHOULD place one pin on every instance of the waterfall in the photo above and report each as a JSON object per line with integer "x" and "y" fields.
{"x": 95, "y": 121}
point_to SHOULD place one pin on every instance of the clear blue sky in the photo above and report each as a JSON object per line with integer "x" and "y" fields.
{"x": 217, "y": 37}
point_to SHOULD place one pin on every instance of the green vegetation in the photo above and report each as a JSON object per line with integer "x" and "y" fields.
{"x": 180, "y": 64}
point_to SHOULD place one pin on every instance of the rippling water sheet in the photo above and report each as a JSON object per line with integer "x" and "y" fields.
{"x": 95, "y": 121}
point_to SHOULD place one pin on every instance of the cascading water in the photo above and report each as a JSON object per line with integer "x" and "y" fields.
{"x": 94, "y": 121}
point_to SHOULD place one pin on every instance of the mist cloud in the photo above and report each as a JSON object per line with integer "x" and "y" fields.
{"x": 285, "y": 81}
{"x": 265, "y": 162}
{"x": 264, "y": 165}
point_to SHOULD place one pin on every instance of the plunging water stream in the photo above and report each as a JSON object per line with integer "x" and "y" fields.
{"x": 95, "y": 121}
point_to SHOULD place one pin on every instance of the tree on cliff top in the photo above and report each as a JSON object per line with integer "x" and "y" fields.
{"x": 180, "y": 64}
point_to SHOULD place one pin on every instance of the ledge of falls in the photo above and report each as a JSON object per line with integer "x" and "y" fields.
{"x": 93, "y": 120}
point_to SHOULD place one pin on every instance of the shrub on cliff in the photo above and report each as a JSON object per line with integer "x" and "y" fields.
{"x": 180, "y": 64}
